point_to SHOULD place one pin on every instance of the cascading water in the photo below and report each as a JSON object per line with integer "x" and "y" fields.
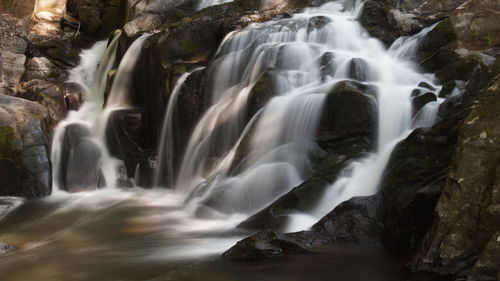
{"x": 88, "y": 124}
{"x": 250, "y": 146}
{"x": 276, "y": 140}
{"x": 395, "y": 77}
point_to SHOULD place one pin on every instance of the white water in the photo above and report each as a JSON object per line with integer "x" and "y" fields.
{"x": 395, "y": 76}
{"x": 91, "y": 75}
{"x": 214, "y": 180}
{"x": 207, "y": 3}
{"x": 166, "y": 145}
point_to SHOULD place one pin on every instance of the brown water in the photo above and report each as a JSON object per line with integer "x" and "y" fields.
{"x": 146, "y": 235}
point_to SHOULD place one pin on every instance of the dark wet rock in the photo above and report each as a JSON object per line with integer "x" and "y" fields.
{"x": 487, "y": 266}
{"x": 5, "y": 248}
{"x": 96, "y": 17}
{"x": 420, "y": 101}
{"x": 439, "y": 40}
{"x": 25, "y": 169}
{"x": 263, "y": 90}
{"x": 80, "y": 160}
{"x": 375, "y": 18}
{"x": 355, "y": 221}
{"x": 123, "y": 136}
{"x": 318, "y": 22}
{"x": 466, "y": 216}
{"x": 263, "y": 245}
{"x": 358, "y": 69}
{"x": 327, "y": 67}
{"x": 358, "y": 220}
{"x": 350, "y": 116}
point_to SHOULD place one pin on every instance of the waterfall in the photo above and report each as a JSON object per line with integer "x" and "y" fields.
{"x": 395, "y": 77}
{"x": 79, "y": 154}
{"x": 165, "y": 169}
{"x": 253, "y": 143}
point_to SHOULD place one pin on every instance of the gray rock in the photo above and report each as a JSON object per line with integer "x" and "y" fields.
{"x": 12, "y": 67}
{"x": 41, "y": 68}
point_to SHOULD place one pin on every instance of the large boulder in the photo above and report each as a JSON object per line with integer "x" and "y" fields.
{"x": 25, "y": 168}
{"x": 466, "y": 217}
{"x": 355, "y": 221}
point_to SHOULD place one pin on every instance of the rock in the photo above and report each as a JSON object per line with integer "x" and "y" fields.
{"x": 80, "y": 160}
{"x": 327, "y": 67}
{"x": 349, "y": 117}
{"x": 123, "y": 136}
{"x": 73, "y": 95}
{"x": 12, "y": 68}
{"x": 142, "y": 24}
{"x": 263, "y": 245}
{"x": 355, "y": 221}
{"x": 420, "y": 101}
{"x": 318, "y": 22}
{"x": 48, "y": 94}
{"x": 41, "y": 68}
{"x": 435, "y": 42}
{"x": 263, "y": 90}
{"x": 12, "y": 33}
{"x": 375, "y": 18}
{"x": 25, "y": 169}
{"x": 358, "y": 220}
{"x": 477, "y": 23}
{"x": 358, "y": 69}
{"x": 97, "y": 17}
{"x": 487, "y": 265}
{"x": 5, "y": 248}
{"x": 466, "y": 216}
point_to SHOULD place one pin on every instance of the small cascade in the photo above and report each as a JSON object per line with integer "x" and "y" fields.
{"x": 164, "y": 172}
{"x": 80, "y": 157}
{"x": 395, "y": 77}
